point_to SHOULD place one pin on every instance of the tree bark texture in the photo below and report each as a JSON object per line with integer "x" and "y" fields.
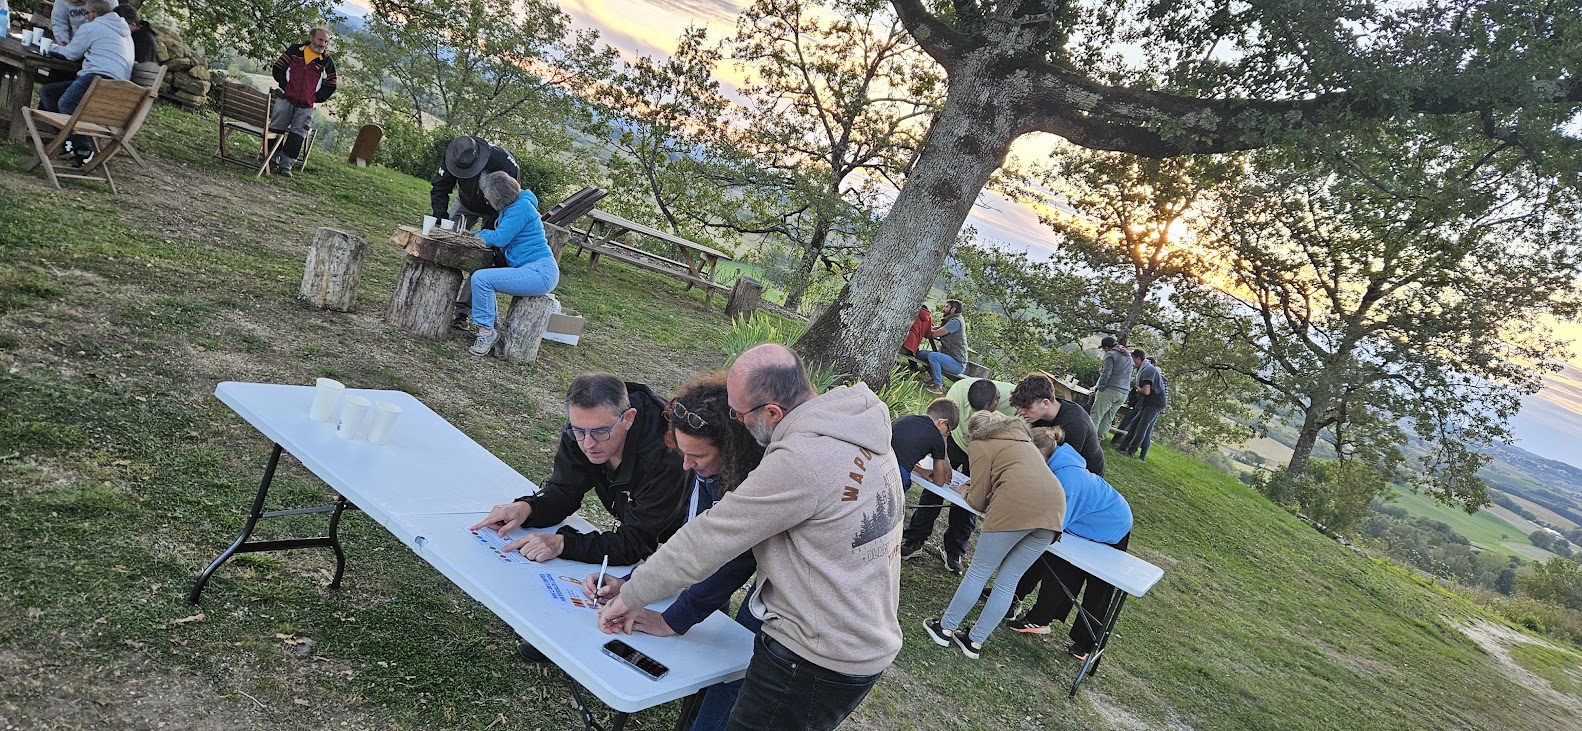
{"x": 522, "y": 328}
{"x": 745, "y": 297}
{"x": 334, "y": 269}
{"x": 557, "y": 237}
{"x": 860, "y": 334}
{"x": 424, "y": 297}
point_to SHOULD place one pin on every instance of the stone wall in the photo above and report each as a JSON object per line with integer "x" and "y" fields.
{"x": 187, "y": 75}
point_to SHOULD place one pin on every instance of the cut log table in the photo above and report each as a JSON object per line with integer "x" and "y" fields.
{"x": 425, "y": 292}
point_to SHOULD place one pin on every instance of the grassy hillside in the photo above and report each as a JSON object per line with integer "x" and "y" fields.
{"x": 121, "y": 477}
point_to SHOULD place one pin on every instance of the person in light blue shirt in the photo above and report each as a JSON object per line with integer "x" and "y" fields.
{"x": 531, "y": 269}
{"x": 1095, "y": 510}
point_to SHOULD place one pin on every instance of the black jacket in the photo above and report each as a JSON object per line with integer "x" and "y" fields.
{"x": 467, "y": 191}
{"x": 644, "y": 494}
{"x": 1081, "y": 433}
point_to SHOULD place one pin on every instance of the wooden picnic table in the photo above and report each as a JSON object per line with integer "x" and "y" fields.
{"x": 22, "y": 68}
{"x": 696, "y": 268}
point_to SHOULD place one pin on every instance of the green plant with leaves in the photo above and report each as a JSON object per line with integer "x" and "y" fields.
{"x": 257, "y": 29}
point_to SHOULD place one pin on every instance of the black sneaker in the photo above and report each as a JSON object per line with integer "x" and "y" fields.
{"x": 82, "y": 158}
{"x": 530, "y": 653}
{"x": 938, "y": 633}
{"x": 968, "y": 647}
{"x": 909, "y": 550}
{"x": 952, "y": 562}
{"x": 1014, "y": 610}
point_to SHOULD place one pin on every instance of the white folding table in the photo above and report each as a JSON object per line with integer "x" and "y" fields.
{"x": 426, "y": 486}
{"x": 1132, "y": 575}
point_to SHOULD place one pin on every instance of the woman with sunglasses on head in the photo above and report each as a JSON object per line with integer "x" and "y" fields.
{"x": 718, "y": 453}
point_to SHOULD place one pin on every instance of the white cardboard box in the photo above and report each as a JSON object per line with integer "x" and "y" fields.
{"x": 565, "y": 327}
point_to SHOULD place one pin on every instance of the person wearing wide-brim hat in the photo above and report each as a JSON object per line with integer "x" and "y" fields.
{"x": 467, "y": 159}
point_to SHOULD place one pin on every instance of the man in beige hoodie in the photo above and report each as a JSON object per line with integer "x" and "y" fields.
{"x": 822, "y": 515}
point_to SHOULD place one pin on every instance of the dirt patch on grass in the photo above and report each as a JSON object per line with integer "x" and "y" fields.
{"x": 1498, "y": 640}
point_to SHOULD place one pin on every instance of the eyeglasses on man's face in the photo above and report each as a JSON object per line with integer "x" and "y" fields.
{"x": 678, "y": 414}
{"x": 740, "y": 415}
{"x": 601, "y": 434}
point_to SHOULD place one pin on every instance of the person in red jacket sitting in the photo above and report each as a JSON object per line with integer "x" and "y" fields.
{"x": 306, "y": 75}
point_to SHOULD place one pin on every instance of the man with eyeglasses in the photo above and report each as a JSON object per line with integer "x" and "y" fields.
{"x": 613, "y": 444}
{"x": 822, "y": 517}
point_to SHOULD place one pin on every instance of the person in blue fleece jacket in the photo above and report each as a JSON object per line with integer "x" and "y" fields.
{"x": 1095, "y": 510}
{"x": 531, "y": 268}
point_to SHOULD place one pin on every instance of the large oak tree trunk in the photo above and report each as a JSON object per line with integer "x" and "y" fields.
{"x": 860, "y": 334}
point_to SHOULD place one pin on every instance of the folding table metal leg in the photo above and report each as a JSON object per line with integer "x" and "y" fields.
{"x": 257, "y": 513}
{"x": 1091, "y": 665}
{"x": 589, "y": 722}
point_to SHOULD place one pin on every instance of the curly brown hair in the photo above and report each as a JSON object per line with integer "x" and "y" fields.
{"x": 705, "y": 396}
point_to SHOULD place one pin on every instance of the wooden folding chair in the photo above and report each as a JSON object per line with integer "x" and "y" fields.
{"x": 148, "y": 75}
{"x": 111, "y": 111}
{"x": 246, "y": 110}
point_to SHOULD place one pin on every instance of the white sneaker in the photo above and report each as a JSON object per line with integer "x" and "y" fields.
{"x": 484, "y": 343}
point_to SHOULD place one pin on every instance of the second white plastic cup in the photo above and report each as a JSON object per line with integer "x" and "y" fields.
{"x": 428, "y": 224}
{"x": 326, "y": 394}
{"x": 354, "y": 416}
{"x": 448, "y": 225}
{"x": 45, "y": 46}
{"x": 384, "y": 419}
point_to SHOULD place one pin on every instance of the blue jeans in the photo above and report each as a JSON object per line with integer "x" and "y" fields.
{"x": 1005, "y": 555}
{"x": 937, "y": 362}
{"x": 64, "y": 96}
{"x": 715, "y": 710}
{"x": 532, "y": 279}
{"x": 784, "y": 692}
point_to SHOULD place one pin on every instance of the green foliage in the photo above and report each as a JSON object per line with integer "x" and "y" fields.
{"x": 762, "y": 327}
{"x": 1435, "y": 548}
{"x": 1335, "y": 494}
{"x": 412, "y": 149}
{"x": 257, "y": 29}
{"x": 502, "y": 69}
{"x": 1010, "y": 310}
{"x": 904, "y": 394}
{"x": 1557, "y": 581}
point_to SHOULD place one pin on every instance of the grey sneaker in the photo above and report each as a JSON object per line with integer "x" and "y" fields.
{"x": 482, "y": 344}
{"x": 909, "y": 550}
{"x": 938, "y": 633}
{"x": 952, "y": 562}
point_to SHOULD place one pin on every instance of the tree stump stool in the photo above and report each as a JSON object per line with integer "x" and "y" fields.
{"x": 522, "y": 328}
{"x": 334, "y": 269}
{"x": 745, "y": 297}
{"x": 557, "y": 237}
{"x": 425, "y": 292}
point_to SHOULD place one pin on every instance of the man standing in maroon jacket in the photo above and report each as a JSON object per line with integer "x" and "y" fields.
{"x": 306, "y": 75}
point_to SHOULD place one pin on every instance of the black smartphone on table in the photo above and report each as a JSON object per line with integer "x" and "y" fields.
{"x": 636, "y": 660}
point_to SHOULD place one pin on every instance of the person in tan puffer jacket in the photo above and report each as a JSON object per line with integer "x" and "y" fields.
{"x": 1024, "y": 508}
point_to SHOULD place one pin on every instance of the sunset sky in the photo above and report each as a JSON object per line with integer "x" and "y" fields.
{"x": 1549, "y": 425}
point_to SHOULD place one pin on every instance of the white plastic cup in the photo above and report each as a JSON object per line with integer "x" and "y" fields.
{"x": 354, "y": 416}
{"x": 326, "y": 394}
{"x": 384, "y": 419}
{"x": 428, "y": 224}
{"x": 448, "y": 225}
{"x": 45, "y": 45}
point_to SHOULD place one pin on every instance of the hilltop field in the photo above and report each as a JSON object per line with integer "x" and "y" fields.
{"x": 121, "y": 476}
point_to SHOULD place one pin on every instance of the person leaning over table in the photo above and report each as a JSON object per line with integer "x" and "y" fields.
{"x": 915, "y": 436}
{"x": 969, "y": 395}
{"x": 1035, "y": 400}
{"x": 66, "y": 17}
{"x": 531, "y": 269}
{"x": 718, "y": 453}
{"x": 822, "y": 516}
{"x": 104, "y": 45}
{"x": 1023, "y": 511}
{"x": 468, "y": 159}
{"x": 1095, "y": 510}
{"x": 614, "y": 445}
